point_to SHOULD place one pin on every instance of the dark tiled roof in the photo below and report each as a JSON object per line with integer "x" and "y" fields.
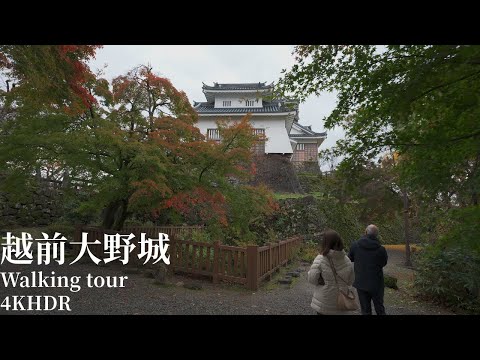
{"x": 308, "y": 131}
{"x": 268, "y": 107}
{"x": 240, "y": 86}
{"x": 307, "y": 135}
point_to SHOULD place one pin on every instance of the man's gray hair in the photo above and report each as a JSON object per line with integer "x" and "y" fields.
{"x": 372, "y": 230}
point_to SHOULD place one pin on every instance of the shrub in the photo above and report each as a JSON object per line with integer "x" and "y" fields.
{"x": 196, "y": 236}
{"x": 450, "y": 276}
{"x": 76, "y": 209}
{"x": 390, "y": 282}
{"x": 309, "y": 216}
{"x": 201, "y": 236}
{"x": 308, "y": 252}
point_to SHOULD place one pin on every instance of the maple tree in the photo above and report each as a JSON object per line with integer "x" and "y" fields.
{"x": 49, "y": 75}
{"x": 136, "y": 150}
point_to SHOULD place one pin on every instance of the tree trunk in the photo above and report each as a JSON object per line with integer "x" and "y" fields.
{"x": 109, "y": 214}
{"x": 121, "y": 215}
{"x": 406, "y": 225}
{"x": 66, "y": 179}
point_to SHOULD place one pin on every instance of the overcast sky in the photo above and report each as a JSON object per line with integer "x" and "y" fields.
{"x": 187, "y": 66}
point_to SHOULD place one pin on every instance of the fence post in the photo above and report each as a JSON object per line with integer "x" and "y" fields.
{"x": 216, "y": 254}
{"x": 173, "y": 256}
{"x": 279, "y": 249}
{"x": 270, "y": 260}
{"x": 252, "y": 267}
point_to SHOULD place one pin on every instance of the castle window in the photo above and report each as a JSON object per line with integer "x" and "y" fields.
{"x": 250, "y": 103}
{"x": 227, "y": 103}
{"x": 259, "y": 146}
{"x": 300, "y": 147}
{"x": 213, "y": 134}
{"x": 260, "y": 132}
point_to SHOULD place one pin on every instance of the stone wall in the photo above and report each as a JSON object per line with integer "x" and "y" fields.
{"x": 276, "y": 172}
{"x": 311, "y": 167}
{"x": 309, "y": 216}
{"x": 41, "y": 207}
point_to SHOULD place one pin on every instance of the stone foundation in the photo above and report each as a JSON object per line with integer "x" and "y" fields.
{"x": 311, "y": 167}
{"x": 276, "y": 172}
{"x": 39, "y": 208}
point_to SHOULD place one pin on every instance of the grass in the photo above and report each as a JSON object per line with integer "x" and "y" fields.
{"x": 273, "y": 284}
{"x": 283, "y": 196}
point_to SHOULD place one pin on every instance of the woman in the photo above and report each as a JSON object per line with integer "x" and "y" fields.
{"x": 324, "y": 300}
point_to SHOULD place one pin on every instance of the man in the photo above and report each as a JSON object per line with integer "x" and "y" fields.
{"x": 369, "y": 258}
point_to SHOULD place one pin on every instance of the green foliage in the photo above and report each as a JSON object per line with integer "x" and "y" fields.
{"x": 134, "y": 150}
{"x": 309, "y": 251}
{"x": 197, "y": 236}
{"x": 392, "y": 230}
{"x": 282, "y": 196}
{"x": 247, "y": 205}
{"x": 48, "y": 75}
{"x": 464, "y": 229}
{"x": 390, "y": 282}
{"x": 450, "y": 276}
{"x": 312, "y": 183}
{"x": 420, "y": 101}
{"x": 77, "y": 209}
{"x": 343, "y": 218}
{"x": 309, "y": 216}
{"x": 420, "y": 105}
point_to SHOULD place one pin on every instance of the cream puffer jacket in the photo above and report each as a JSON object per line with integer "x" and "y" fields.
{"x": 324, "y": 298}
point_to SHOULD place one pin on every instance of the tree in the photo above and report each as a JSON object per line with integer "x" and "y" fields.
{"x": 420, "y": 101}
{"x": 135, "y": 149}
{"x": 49, "y": 75}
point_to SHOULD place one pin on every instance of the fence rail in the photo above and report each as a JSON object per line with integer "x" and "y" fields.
{"x": 248, "y": 266}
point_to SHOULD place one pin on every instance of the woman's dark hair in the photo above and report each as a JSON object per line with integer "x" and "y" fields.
{"x": 331, "y": 241}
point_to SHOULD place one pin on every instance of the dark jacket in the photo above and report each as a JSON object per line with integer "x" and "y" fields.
{"x": 369, "y": 258}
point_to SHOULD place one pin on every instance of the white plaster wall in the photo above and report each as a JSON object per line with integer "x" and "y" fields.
{"x": 236, "y": 100}
{"x": 278, "y": 141}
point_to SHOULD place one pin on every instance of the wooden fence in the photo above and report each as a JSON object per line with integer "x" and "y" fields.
{"x": 243, "y": 265}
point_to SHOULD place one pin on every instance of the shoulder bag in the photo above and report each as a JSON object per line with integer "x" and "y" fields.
{"x": 345, "y": 301}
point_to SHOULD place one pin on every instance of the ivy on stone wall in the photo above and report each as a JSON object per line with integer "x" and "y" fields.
{"x": 309, "y": 216}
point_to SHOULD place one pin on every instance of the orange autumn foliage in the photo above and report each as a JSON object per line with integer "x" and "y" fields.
{"x": 201, "y": 203}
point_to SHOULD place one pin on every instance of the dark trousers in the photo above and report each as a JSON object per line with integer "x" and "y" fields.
{"x": 366, "y": 299}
